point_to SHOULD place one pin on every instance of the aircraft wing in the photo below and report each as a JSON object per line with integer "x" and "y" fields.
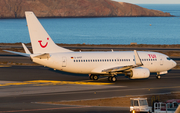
{"x": 120, "y": 69}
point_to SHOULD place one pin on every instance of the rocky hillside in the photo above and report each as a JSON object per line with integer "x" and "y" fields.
{"x": 73, "y": 8}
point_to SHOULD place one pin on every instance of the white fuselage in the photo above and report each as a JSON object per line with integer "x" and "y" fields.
{"x": 95, "y": 62}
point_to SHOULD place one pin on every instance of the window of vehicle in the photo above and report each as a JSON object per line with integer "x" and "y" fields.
{"x": 132, "y": 103}
{"x": 136, "y": 103}
{"x": 143, "y": 102}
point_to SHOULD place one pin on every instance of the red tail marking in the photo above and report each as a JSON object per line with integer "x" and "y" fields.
{"x": 43, "y": 46}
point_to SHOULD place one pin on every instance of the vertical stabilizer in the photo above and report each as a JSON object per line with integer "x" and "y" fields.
{"x": 40, "y": 40}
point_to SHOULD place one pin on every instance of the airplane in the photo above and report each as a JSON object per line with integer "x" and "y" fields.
{"x": 133, "y": 64}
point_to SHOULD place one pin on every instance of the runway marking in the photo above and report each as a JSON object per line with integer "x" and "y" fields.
{"x": 51, "y": 82}
{"x": 61, "y": 108}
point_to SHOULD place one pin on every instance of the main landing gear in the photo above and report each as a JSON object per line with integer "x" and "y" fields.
{"x": 93, "y": 77}
{"x": 96, "y": 77}
{"x": 112, "y": 79}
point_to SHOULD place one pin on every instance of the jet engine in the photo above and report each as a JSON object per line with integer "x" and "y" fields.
{"x": 139, "y": 73}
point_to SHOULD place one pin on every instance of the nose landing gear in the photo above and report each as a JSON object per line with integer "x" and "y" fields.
{"x": 158, "y": 76}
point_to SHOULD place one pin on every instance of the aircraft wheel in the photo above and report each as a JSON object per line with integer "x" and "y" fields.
{"x": 158, "y": 76}
{"x": 113, "y": 79}
{"x": 109, "y": 78}
{"x": 95, "y": 77}
{"x": 91, "y": 77}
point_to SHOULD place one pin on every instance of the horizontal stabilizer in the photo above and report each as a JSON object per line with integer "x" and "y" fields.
{"x": 19, "y": 53}
{"x": 43, "y": 56}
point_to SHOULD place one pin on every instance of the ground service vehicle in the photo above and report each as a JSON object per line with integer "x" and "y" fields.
{"x": 139, "y": 105}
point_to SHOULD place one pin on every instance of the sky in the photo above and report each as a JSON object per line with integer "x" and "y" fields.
{"x": 151, "y": 1}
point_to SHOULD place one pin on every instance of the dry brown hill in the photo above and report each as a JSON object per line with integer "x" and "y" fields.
{"x": 73, "y": 8}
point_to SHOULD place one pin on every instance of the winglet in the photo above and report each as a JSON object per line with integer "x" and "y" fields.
{"x": 26, "y": 49}
{"x": 137, "y": 59}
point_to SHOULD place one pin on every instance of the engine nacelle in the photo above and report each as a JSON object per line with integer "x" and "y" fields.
{"x": 139, "y": 73}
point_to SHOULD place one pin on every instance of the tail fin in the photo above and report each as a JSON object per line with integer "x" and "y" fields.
{"x": 40, "y": 40}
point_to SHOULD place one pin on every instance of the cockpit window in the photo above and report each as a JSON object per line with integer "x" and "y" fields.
{"x": 168, "y": 58}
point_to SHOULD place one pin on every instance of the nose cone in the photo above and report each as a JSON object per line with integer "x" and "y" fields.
{"x": 173, "y": 63}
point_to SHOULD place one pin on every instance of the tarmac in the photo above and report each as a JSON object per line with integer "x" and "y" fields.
{"x": 23, "y": 88}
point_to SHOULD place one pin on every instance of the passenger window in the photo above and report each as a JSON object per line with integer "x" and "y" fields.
{"x": 74, "y": 60}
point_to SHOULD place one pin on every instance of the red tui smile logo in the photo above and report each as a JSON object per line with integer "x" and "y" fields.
{"x": 43, "y": 46}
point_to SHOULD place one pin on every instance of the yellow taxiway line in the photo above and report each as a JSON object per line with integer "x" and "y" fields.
{"x": 51, "y": 82}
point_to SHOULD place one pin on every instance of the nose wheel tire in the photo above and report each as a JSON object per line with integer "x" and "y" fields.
{"x": 158, "y": 76}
